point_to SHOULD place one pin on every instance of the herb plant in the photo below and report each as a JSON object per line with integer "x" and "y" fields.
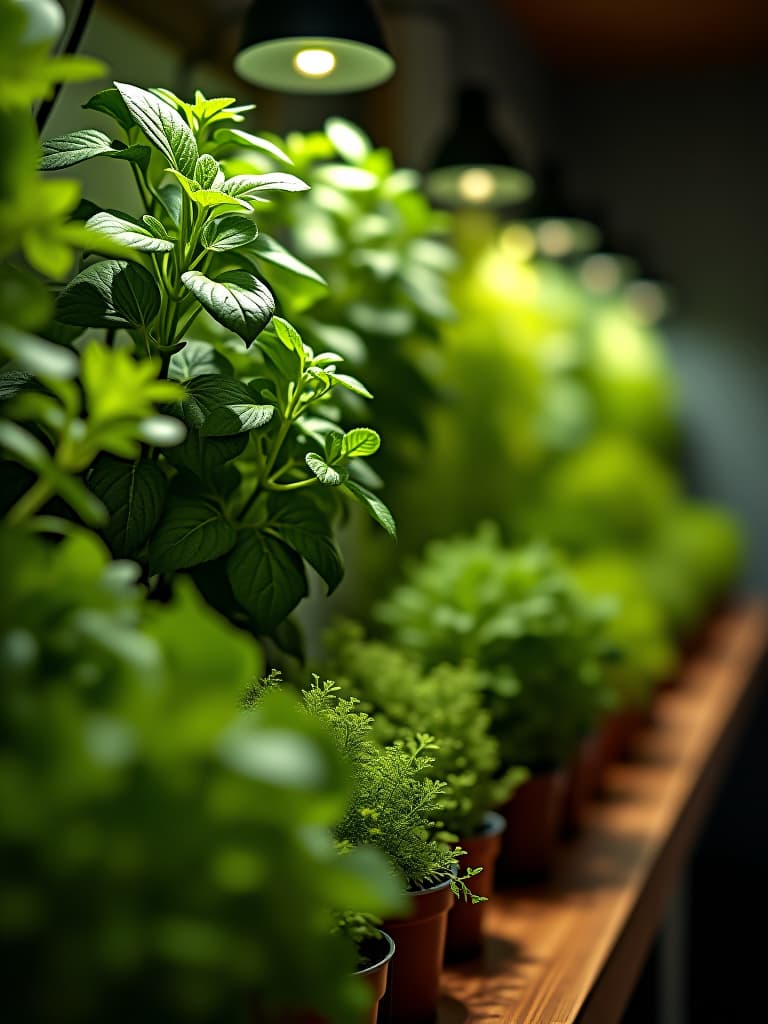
{"x": 395, "y": 805}
{"x": 252, "y": 494}
{"x": 446, "y": 701}
{"x": 517, "y": 613}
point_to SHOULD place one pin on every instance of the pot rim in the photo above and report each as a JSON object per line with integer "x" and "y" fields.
{"x": 383, "y": 960}
{"x": 435, "y": 887}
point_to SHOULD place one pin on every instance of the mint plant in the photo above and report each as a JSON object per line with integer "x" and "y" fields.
{"x": 251, "y": 495}
{"x": 446, "y": 701}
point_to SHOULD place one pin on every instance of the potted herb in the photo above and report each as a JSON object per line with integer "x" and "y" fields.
{"x": 447, "y": 702}
{"x": 252, "y": 495}
{"x": 395, "y": 807}
{"x": 539, "y": 640}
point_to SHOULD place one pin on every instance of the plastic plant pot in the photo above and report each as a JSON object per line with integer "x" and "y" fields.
{"x": 414, "y": 976}
{"x": 465, "y": 921}
{"x": 534, "y": 817}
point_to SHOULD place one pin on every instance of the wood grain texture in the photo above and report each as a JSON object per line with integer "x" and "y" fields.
{"x": 570, "y": 950}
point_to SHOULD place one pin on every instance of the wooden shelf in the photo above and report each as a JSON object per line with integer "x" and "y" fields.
{"x": 571, "y": 950}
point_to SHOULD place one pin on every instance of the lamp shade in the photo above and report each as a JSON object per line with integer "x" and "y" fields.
{"x": 559, "y": 231}
{"x": 313, "y": 46}
{"x": 473, "y": 167}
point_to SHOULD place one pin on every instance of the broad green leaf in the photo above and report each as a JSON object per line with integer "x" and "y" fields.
{"x": 218, "y": 405}
{"x": 300, "y": 522}
{"x": 348, "y": 382}
{"x": 229, "y": 232}
{"x": 346, "y": 178}
{"x": 37, "y": 356}
{"x": 265, "y": 248}
{"x": 361, "y": 473}
{"x": 238, "y": 301}
{"x": 287, "y": 362}
{"x": 207, "y": 197}
{"x": 288, "y": 334}
{"x": 192, "y": 530}
{"x": 133, "y": 493}
{"x": 244, "y": 185}
{"x": 206, "y": 170}
{"x": 205, "y": 457}
{"x": 198, "y": 358}
{"x": 234, "y": 136}
{"x": 110, "y": 102}
{"x": 170, "y": 196}
{"x": 125, "y": 232}
{"x": 376, "y": 507}
{"x": 162, "y": 125}
{"x": 330, "y": 476}
{"x": 74, "y": 148}
{"x": 350, "y": 142}
{"x": 112, "y": 293}
{"x": 267, "y": 578}
{"x": 360, "y": 441}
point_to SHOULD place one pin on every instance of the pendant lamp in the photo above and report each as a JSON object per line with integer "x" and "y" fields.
{"x": 473, "y": 167}
{"x": 313, "y": 46}
{"x": 559, "y": 231}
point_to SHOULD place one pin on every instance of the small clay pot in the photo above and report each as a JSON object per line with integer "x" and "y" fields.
{"x": 376, "y": 952}
{"x": 583, "y": 781}
{"x": 465, "y": 921}
{"x": 414, "y": 975}
{"x": 534, "y": 818}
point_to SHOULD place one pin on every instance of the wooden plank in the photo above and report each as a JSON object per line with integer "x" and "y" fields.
{"x": 570, "y": 950}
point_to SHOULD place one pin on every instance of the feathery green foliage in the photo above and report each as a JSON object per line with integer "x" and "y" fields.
{"x": 446, "y": 701}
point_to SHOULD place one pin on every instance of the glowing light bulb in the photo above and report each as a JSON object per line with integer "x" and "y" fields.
{"x": 476, "y": 185}
{"x": 556, "y": 237}
{"x": 315, "y": 63}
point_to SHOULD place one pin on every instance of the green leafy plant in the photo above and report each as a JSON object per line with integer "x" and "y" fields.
{"x": 446, "y": 701}
{"x": 521, "y": 618}
{"x": 395, "y": 805}
{"x": 366, "y": 226}
{"x": 260, "y": 421}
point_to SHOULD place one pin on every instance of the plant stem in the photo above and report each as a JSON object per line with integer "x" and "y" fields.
{"x": 270, "y": 485}
{"x": 38, "y": 494}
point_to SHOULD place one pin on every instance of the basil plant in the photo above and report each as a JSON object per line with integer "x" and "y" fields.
{"x": 252, "y": 494}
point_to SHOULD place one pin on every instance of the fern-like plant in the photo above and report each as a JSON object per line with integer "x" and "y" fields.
{"x": 447, "y": 701}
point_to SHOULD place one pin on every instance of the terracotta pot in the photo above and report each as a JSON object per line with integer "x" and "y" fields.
{"x": 378, "y": 952}
{"x": 414, "y": 975}
{"x": 583, "y": 781}
{"x": 534, "y": 818}
{"x": 465, "y": 921}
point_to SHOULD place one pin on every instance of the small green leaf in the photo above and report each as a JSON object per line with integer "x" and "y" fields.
{"x": 110, "y": 102}
{"x": 207, "y": 197}
{"x": 348, "y": 382}
{"x": 236, "y": 419}
{"x": 156, "y": 227}
{"x": 198, "y": 358}
{"x": 238, "y": 301}
{"x": 267, "y": 578}
{"x": 334, "y": 444}
{"x": 376, "y": 507}
{"x": 245, "y": 185}
{"x": 360, "y": 441}
{"x": 218, "y": 405}
{"x": 266, "y": 249}
{"x": 206, "y": 170}
{"x": 162, "y": 125}
{"x": 133, "y": 493}
{"x": 229, "y": 232}
{"x": 327, "y": 475}
{"x": 67, "y": 150}
{"x": 234, "y": 136}
{"x": 346, "y": 178}
{"x": 288, "y": 334}
{"x": 112, "y": 293}
{"x": 349, "y": 141}
{"x": 125, "y": 232}
{"x": 193, "y": 530}
{"x": 299, "y": 521}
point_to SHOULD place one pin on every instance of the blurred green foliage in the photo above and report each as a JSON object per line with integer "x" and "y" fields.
{"x": 446, "y": 701}
{"x": 540, "y": 640}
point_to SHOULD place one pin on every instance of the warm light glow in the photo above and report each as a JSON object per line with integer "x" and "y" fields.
{"x": 648, "y": 300}
{"x": 556, "y": 238}
{"x": 314, "y": 63}
{"x": 601, "y": 273}
{"x": 476, "y": 185}
{"x": 518, "y": 242}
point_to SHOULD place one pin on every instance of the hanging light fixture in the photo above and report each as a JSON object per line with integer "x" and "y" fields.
{"x": 313, "y": 46}
{"x": 473, "y": 167}
{"x": 559, "y": 232}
